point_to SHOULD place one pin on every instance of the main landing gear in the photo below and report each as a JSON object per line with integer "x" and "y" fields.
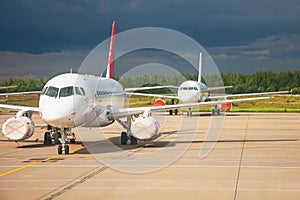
{"x": 216, "y": 110}
{"x": 189, "y": 113}
{"x": 54, "y": 136}
{"x": 125, "y": 136}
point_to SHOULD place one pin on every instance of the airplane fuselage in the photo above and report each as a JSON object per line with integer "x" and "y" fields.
{"x": 71, "y": 100}
{"x": 192, "y": 91}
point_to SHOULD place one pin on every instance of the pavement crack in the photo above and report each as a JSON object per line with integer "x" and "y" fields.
{"x": 241, "y": 160}
{"x": 72, "y": 184}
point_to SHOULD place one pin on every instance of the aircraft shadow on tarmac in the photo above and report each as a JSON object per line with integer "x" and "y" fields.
{"x": 26, "y": 143}
{"x": 161, "y": 144}
{"x": 115, "y": 141}
{"x": 197, "y": 114}
{"x": 39, "y": 145}
{"x": 209, "y": 115}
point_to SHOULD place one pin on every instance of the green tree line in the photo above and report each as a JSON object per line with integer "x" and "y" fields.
{"x": 261, "y": 81}
{"x": 23, "y": 84}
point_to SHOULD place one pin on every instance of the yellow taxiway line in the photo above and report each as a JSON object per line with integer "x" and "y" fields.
{"x": 36, "y": 162}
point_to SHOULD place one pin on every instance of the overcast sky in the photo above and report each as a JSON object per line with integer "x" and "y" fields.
{"x": 48, "y": 37}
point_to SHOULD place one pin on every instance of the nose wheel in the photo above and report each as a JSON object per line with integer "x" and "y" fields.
{"x": 63, "y": 148}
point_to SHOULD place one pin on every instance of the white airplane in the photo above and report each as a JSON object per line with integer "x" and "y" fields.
{"x": 191, "y": 91}
{"x": 75, "y": 100}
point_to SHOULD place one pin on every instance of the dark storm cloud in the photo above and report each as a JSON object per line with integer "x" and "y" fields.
{"x": 235, "y": 32}
{"x": 54, "y": 25}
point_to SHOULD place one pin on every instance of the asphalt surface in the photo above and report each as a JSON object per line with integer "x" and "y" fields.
{"x": 254, "y": 156}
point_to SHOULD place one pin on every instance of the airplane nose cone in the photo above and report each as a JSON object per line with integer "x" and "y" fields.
{"x": 59, "y": 112}
{"x": 58, "y": 116}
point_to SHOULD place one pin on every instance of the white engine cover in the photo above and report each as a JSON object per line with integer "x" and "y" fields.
{"x": 18, "y": 128}
{"x": 145, "y": 128}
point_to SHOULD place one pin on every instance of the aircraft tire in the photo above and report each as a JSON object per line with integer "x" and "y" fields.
{"x": 59, "y": 149}
{"x": 124, "y": 138}
{"x": 47, "y": 138}
{"x": 213, "y": 112}
{"x": 67, "y": 149}
{"x": 56, "y": 137}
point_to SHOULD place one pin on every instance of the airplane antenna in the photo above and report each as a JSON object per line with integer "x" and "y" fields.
{"x": 200, "y": 67}
{"x": 71, "y": 70}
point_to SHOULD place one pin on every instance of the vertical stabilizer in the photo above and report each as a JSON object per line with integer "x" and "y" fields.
{"x": 110, "y": 62}
{"x": 200, "y": 67}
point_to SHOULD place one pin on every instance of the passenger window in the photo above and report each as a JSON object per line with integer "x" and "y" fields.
{"x": 52, "y": 91}
{"x": 195, "y": 88}
{"x": 67, "y": 91}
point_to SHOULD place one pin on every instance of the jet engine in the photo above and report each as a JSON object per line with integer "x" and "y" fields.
{"x": 159, "y": 102}
{"x": 18, "y": 128}
{"x": 145, "y": 128}
{"x": 226, "y": 106}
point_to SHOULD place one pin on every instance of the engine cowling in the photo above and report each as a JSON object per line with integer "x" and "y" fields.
{"x": 159, "y": 102}
{"x": 226, "y": 106}
{"x": 18, "y": 128}
{"x": 145, "y": 128}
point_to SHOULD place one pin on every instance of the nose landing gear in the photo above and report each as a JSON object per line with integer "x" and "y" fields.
{"x": 63, "y": 147}
{"x": 56, "y": 136}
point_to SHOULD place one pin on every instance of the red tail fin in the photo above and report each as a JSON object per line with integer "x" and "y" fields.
{"x": 110, "y": 63}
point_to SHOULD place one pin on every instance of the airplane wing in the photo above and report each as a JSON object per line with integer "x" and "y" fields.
{"x": 249, "y": 94}
{"x": 8, "y": 87}
{"x": 210, "y": 97}
{"x": 20, "y": 93}
{"x": 149, "y": 88}
{"x": 14, "y": 107}
{"x": 151, "y": 95}
{"x": 219, "y": 88}
{"x": 171, "y": 86}
{"x": 125, "y": 112}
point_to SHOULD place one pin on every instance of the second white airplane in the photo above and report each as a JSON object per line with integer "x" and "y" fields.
{"x": 191, "y": 91}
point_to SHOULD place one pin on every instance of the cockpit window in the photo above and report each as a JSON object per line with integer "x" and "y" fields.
{"x": 82, "y": 90}
{"x": 79, "y": 91}
{"x": 44, "y": 90}
{"x": 67, "y": 91}
{"x": 52, "y": 91}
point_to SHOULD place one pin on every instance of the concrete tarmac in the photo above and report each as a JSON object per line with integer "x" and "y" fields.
{"x": 257, "y": 156}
